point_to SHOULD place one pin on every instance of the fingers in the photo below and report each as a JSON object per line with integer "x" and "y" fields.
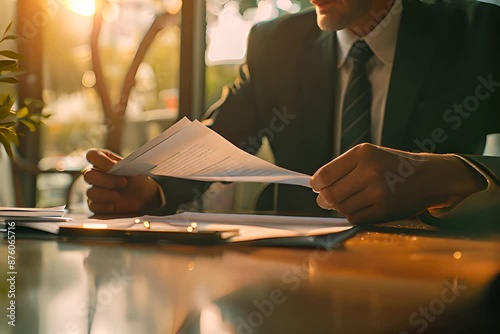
{"x": 103, "y": 180}
{"x": 98, "y": 194}
{"x": 102, "y": 197}
{"x": 108, "y": 196}
{"x": 331, "y": 195}
{"x": 324, "y": 200}
{"x": 333, "y": 171}
{"x": 367, "y": 215}
{"x": 102, "y": 159}
{"x": 105, "y": 201}
{"x": 359, "y": 200}
{"x": 114, "y": 207}
{"x": 351, "y": 184}
{"x": 344, "y": 188}
{"x": 102, "y": 200}
{"x": 113, "y": 156}
{"x": 356, "y": 209}
{"x": 354, "y": 203}
{"x": 100, "y": 207}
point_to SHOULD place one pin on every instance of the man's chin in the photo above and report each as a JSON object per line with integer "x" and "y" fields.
{"x": 329, "y": 22}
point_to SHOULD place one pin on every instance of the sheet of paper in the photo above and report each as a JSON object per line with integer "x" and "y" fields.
{"x": 152, "y": 143}
{"x": 251, "y": 219}
{"x": 190, "y": 150}
{"x": 258, "y": 227}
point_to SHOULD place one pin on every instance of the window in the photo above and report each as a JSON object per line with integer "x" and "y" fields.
{"x": 69, "y": 89}
{"x": 69, "y": 84}
{"x": 228, "y": 25}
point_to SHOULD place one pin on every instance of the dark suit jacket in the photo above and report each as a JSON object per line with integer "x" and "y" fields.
{"x": 443, "y": 54}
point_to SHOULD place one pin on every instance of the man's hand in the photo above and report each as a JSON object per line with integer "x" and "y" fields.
{"x": 373, "y": 184}
{"x": 113, "y": 194}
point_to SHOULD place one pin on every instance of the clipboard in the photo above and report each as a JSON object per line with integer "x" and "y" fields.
{"x": 179, "y": 236}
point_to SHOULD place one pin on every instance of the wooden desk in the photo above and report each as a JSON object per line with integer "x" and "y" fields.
{"x": 381, "y": 281}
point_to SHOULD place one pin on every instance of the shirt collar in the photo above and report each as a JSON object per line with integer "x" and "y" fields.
{"x": 382, "y": 39}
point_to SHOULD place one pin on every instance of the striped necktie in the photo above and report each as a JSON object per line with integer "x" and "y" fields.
{"x": 357, "y": 100}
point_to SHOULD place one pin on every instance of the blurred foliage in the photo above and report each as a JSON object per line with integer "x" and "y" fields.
{"x": 68, "y": 54}
{"x": 68, "y": 59}
{"x": 10, "y": 118}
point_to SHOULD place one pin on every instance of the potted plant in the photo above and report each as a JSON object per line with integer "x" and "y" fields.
{"x": 10, "y": 118}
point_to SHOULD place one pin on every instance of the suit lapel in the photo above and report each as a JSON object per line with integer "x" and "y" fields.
{"x": 414, "y": 51}
{"x": 316, "y": 68}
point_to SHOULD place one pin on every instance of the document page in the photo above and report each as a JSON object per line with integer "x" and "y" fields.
{"x": 190, "y": 150}
{"x": 257, "y": 227}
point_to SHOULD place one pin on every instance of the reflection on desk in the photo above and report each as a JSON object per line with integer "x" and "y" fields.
{"x": 405, "y": 282}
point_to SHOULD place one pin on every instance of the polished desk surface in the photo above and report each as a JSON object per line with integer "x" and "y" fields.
{"x": 382, "y": 280}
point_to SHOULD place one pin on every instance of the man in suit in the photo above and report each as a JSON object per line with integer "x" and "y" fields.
{"x": 322, "y": 84}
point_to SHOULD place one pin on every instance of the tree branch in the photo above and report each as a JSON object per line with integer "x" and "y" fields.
{"x": 115, "y": 114}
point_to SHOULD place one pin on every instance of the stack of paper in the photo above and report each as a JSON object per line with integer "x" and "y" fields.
{"x": 190, "y": 150}
{"x": 230, "y": 227}
{"x": 32, "y": 214}
{"x": 45, "y": 219}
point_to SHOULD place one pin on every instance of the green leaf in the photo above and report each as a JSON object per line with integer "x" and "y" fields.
{"x": 10, "y": 54}
{"x": 8, "y": 37}
{"x": 12, "y": 136}
{"x": 29, "y": 125}
{"x": 6, "y": 100}
{"x": 6, "y": 143}
{"x": 6, "y": 103}
{"x": 13, "y": 69}
{"x": 35, "y": 103}
{"x": 6, "y": 115}
{"x": 5, "y": 62}
{"x": 7, "y": 65}
{"x": 10, "y": 80}
{"x": 44, "y": 116}
{"x": 7, "y": 124}
{"x": 10, "y": 100}
{"x": 8, "y": 28}
{"x": 3, "y": 97}
{"x": 23, "y": 112}
{"x": 39, "y": 118}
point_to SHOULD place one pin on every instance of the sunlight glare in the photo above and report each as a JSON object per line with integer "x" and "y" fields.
{"x": 81, "y": 7}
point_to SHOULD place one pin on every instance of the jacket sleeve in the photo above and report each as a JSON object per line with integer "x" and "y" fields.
{"x": 477, "y": 211}
{"x": 234, "y": 117}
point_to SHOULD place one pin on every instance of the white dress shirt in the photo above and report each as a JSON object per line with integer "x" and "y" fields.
{"x": 382, "y": 41}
